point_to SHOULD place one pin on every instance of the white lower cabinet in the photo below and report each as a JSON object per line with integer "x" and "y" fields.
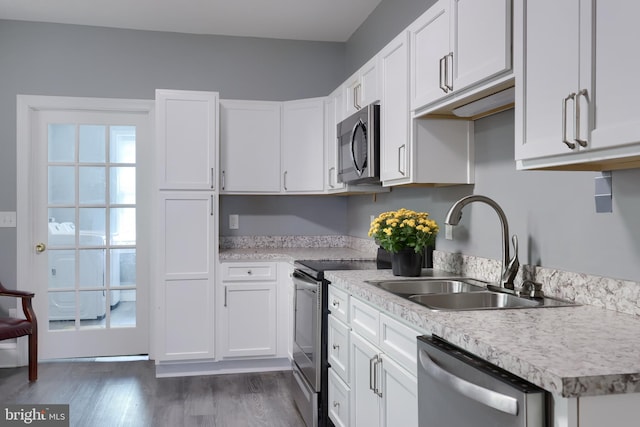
{"x": 378, "y": 385}
{"x": 248, "y": 310}
{"x": 186, "y": 275}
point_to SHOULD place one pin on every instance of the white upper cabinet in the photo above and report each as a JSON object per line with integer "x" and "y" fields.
{"x": 361, "y": 89}
{"x": 249, "y": 146}
{"x": 333, "y": 114}
{"x": 186, "y": 134}
{"x": 303, "y": 146}
{"x": 417, "y": 151}
{"x": 395, "y": 141}
{"x": 457, "y": 45}
{"x": 574, "y": 109}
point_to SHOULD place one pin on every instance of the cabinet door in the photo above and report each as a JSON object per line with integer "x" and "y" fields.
{"x": 187, "y": 229}
{"x": 361, "y": 89}
{"x": 186, "y": 133}
{"x": 617, "y": 111}
{"x": 547, "y": 72}
{"x": 481, "y": 40}
{"x": 399, "y": 395}
{"x": 250, "y": 146}
{"x": 395, "y": 141}
{"x": 365, "y": 403}
{"x": 250, "y": 319}
{"x": 429, "y": 50}
{"x": 333, "y": 115}
{"x": 303, "y": 146}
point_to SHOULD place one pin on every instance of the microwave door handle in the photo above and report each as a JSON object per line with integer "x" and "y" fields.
{"x": 357, "y": 167}
{"x": 484, "y": 396}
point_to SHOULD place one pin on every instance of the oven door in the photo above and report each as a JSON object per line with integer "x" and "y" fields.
{"x": 307, "y": 324}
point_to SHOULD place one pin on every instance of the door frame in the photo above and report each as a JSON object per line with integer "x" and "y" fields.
{"x": 27, "y": 105}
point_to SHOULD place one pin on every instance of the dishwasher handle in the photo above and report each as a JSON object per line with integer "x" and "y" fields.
{"x": 475, "y": 392}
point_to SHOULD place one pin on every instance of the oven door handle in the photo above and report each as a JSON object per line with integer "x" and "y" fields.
{"x": 304, "y": 283}
{"x": 482, "y": 395}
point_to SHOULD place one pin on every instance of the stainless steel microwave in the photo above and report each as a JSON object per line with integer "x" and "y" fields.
{"x": 359, "y": 146}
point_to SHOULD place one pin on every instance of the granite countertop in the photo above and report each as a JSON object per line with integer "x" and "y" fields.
{"x": 292, "y": 254}
{"x": 569, "y": 351}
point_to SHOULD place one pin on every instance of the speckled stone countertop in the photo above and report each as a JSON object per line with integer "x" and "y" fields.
{"x": 569, "y": 351}
{"x": 292, "y": 254}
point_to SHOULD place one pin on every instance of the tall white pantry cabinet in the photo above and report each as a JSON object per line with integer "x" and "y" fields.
{"x": 187, "y": 215}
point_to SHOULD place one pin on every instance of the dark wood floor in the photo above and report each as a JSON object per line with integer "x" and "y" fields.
{"x": 114, "y": 394}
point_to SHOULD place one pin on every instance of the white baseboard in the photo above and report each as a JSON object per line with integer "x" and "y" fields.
{"x": 207, "y": 367}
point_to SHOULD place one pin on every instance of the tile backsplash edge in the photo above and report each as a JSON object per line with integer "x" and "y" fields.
{"x": 612, "y": 294}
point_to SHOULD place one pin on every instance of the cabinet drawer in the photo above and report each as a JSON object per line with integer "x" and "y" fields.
{"x": 364, "y": 320}
{"x": 338, "y": 347}
{"x": 338, "y": 400}
{"x": 399, "y": 342}
{"x": 263, "y": 271}
{"x": 338, "y": 303}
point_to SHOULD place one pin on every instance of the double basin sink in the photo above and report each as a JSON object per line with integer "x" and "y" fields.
{"x": 456, "y": 294}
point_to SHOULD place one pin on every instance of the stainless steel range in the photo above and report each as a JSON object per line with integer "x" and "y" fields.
{"x": 310, "y": 365}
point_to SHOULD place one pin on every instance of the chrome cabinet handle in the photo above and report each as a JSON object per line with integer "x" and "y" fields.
{"x": 211, "y": 212}
{"x": 284, "y": 180}
{"x": 336, "y": 347}
{"x": 212, "y": 178}
{"x": 372, "y": 373}
{"x": 225, "y": 296}
{"x": 356, "y": 96}
{"x": 336, "y": 404}
{"x": 576, "y": 109}
{"x": 484, "y": 396}
{"x": 402, "y": 159}
{"x": 442, "y": 72}
{"x": 377, "y": 364}
{"x": 571, "y": 96}
{"x": 223, "y": 180}
{"x": 335, "y": 303}
{"x": 448, "y": 72}
{"x": 331, "y": 176}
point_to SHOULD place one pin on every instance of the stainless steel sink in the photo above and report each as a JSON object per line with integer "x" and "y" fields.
{"x": 475, "y": 301}
{"x": 458, "y": 294}
{"x": 429, "y": 286}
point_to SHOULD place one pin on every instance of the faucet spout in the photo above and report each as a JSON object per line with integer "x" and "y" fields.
{"x": 509, "y": 265}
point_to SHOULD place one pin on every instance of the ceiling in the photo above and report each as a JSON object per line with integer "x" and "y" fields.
{"x": 321, "y": 20}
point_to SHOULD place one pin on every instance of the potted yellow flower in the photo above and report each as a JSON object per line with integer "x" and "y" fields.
{"x": 406, "y": 234}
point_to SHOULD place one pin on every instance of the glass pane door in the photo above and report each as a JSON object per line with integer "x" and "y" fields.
{"x": 92, "y": 226}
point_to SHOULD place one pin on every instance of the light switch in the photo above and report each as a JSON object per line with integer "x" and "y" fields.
{"x": 7, "y": 219}
{"x": 234, "y": 222}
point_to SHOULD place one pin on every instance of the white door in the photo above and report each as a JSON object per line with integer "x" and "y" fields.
{"x": 84, "y": 262}
{"x": 399, "y": 395}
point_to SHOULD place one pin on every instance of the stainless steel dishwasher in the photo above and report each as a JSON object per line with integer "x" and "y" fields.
{"x": 458, "y": 389}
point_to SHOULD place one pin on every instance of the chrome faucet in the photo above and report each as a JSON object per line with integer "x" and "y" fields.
{"x": 509, "y": 265}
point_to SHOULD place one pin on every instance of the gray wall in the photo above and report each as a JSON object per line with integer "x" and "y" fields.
{"x": 553, "y": 213}
{"x": 67, "y": 60}
{"x": 381, "y": 26}
{"x": 284, "y": 215}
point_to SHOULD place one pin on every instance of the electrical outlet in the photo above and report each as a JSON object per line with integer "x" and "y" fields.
{"x": 234, "y": 222}
{"x": 7, "y": 219}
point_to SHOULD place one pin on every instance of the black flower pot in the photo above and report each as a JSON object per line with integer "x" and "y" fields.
{"x": 406, "y": 262}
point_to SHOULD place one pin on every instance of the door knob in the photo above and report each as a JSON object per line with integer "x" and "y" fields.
{"x": 40, "y": 247}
